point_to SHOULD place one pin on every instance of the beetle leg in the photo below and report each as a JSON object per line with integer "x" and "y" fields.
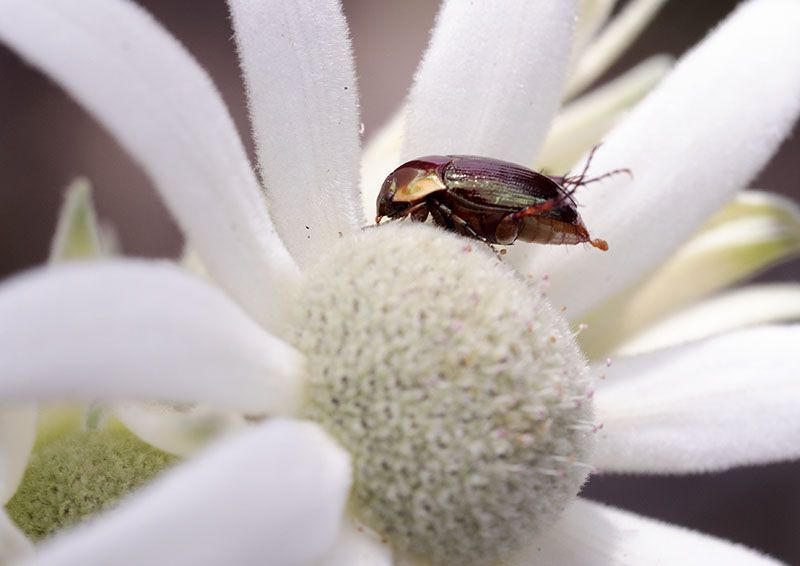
{"x": 461, "y": 222}
{"x": 536, "y": 209}
{"x": 418, "y": 212}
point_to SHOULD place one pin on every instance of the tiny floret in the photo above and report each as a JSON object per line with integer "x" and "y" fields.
{"x": 460, "y": 393}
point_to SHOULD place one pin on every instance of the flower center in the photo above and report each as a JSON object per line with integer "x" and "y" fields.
{"x": 458, "y": 390}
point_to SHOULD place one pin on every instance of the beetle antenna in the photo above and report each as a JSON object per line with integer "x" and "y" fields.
{"x": 576, "y": 181}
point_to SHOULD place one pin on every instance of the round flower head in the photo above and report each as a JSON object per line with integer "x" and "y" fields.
{"x": 459, "y": 392}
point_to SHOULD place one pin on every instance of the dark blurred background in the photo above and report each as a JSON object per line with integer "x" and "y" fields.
{"x": 46, "y": 140}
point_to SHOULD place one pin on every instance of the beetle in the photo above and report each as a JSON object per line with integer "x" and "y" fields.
{"x": 488, "y": 199}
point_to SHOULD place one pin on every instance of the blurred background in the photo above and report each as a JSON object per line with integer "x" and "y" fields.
{"x": 46, "y": 140}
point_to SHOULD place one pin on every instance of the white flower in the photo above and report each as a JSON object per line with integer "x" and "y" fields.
{"x": 276, "y": 493}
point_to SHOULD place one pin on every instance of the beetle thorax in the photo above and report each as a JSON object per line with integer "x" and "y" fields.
{"x": 420, "y": 186}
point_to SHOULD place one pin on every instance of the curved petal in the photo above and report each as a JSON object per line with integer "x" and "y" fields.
{"x": 591, "y": 533}
{"x": 358, "y": 546}
{"x": 712, "y": 405}
{"x": 600, "y": 54}
{"x": 754, "y": 231}
{"x": 380, "y": 157}
{"x": 757, "y": 304}
{"x": 274, "y": 494}
{"x": 592, "y": 16}
{"x": 701, "y": 135}
{"x": 491, "y": 79}
{"x": 13, "y": 544}
{"x": 581, "y": 123}
{"x": 142, "y": 85}
{"x": 178, "y": 430}
{"x": 148, "y": 330}
{"x": 17, "y": 434}
{"x": 301, "y": 84}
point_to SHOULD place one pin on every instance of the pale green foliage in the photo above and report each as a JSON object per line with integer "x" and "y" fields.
{"x": 79, "y": 474}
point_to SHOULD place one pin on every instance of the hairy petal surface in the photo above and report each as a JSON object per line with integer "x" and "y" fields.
{"x": 138, "y": 329}
{"x": 702, "y": 134}
{"x": 711, "y": 405}
{"x": 754, "y": 231}
{"x": 301, "y": 84}
{"x": 380, "y": 157}
{"x": 582, "y": 122}
{"x": 757, "y": 304}
{"x": 284, "y": 491}
{"x": 491, "y": 79}
{"x": 600, "y": 54}
{"x": 591, "y": 533}
{"x": 17, "y": 434}
{"x": 142, "y": 85}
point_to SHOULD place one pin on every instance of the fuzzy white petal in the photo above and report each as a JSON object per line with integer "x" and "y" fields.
{"x": 591, "y": 533}
{"x": 358, "y": 546}
{"x": 142, "y": 85}
{"x": 749, "y": 306}
{"x": 138, "y": 329}
{"x": 582, "y": 122}
{"x": 177, "y": 430}
{"x": 491, "y": 79}
{"x": 752, "y": 232}
{"x": 274, "y": 494}
{"x": 17, "y": 434}
{"x": 301, "y": 84}
{"x": 600, "y": 54}
{"x": 711, "y": 405}
{"x": 380, "y": 157}
{"x": 701, "y": 135}
{"x": 13, "y": 544}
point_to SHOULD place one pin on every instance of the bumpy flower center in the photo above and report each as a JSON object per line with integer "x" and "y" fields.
{"x": 458, "y": 390}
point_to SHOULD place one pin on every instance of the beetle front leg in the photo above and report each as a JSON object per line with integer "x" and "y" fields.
{"x": 418, "y": 213}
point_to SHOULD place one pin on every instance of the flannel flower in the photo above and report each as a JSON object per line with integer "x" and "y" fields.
{"x": 397, "y": 395}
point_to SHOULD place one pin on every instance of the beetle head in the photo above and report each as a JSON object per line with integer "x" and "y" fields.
{"x": 409, "y": 184}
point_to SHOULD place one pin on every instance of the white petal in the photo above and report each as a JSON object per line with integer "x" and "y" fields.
{"x": 78, "y": 233}
{"x": 358, "y": 546}
{"x": 600, "y": 54}
{"x": 17, "y": 434}
{"x": 590, "y": 533}
{"x": 138, "y": 329}
{"x": 491, "y": 79}
{"x": 13, "y": 544}
{"x": 380, "y": 157}
{"x": 701, "y": 135}
{"x": 301, "y": 84}
{"x": 712, "y": 405}
{"x": 593, "y": 15}
{"x": 142, "y": 85}
{"x": 177, "y": 430}
{"x": 582, "y": 122}
{"x": 749, "y": 234}
{"x": 272, "y": 495}
{"x": 758, "y": 304}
